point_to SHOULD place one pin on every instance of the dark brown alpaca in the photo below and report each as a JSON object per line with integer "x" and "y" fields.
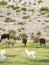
{"x": 4, "y": 36}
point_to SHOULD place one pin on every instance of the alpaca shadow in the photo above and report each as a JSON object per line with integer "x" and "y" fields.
{"x": 46, "y": 61}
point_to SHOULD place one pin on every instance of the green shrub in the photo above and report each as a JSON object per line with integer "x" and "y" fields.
{"x": 46, "y": 20}
{"x": 23, "y": 35}
{"x": 34, "y": 4}
{"x": 17, "y": 10}
{"x": 8, "y": 19}
{"x": 12, "y": 31}
{"x": 44, "y": 9}
{"x": 23, "y": 28}
{"x": 32, "y": 10}
{"x": 24, "y": 13}
{"x": 10, "y": 6}
{"x": 40, "y": 1}
{"x": 8, "y": 13}
{"x": 12, "y": 35}
{"x": 21, "y": 23}
{"x": 25, "y": 17}
{"x": 3, "y": 3}
{"x": 19, "y": 30}
{"x": 1, "y": 15}
{"x": 23, "y": 9}
{"x": 38, "y": 33}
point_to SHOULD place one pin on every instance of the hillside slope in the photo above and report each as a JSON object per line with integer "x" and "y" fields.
{"x": 29, "y": 16}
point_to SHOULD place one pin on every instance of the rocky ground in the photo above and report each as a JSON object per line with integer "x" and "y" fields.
{"x": 26, "y": 17}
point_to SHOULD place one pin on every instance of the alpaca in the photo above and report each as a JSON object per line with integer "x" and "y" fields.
{"x": 30, "y": 54}
{"x": 2, "y": 54}
{"x": 10, "y": 42}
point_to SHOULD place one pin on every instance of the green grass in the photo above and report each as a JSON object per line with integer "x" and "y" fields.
{"x": 16, "y": 55}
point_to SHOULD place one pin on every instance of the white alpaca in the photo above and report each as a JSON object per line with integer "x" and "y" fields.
{"x": 31, "y": 54}
{"x": 2, "y": 54}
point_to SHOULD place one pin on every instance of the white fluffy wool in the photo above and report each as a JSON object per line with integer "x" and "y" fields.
{"x": 2, "y": 54}
{"x": 31, "y": 54}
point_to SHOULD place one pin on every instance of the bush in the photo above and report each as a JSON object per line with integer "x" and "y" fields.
{"x": 32, "y": 10}
{"x": 46, "y": 20}
{"x": 24, "y": 9}
{"x": 44, "y": 9}
{"x": 12, "y": 31}
{"x": 16, "y": 7}
{"x": 23, "y": 35}
{"x": 21, "y": 23}
{"x": 8, "y": 13}
{"x": 17, "y": 10}
{"x": 3, "y": 3}
{"x": 25, "y": 17}
{"x": 38, "y": 33}
{"x": 10, "y": 6}
{"x": 40, "y": 1}
{"x": 12, "y": 35}
{"x": 8, "y": 19}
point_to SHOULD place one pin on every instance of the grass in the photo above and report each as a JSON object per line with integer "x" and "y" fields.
{"x": 16, "y": 55}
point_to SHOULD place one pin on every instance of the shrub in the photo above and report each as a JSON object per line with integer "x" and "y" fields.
{"x": 10, "y": 6}
{"x": 12, "y": 31}
{"x": 39, "y": 21}
{"x": 24, "y": 13}
{"x": 24, "y": 9}
{"x": 3, "y": 3}
{"x": 32, "y": 10}
{"x": 21, "y": 23}
{"x": 12, "y": 35}
{"x": 17, "y": 10}
{"x": 40, "y": 1}
{"x": 38, "y": 33}
{"x": 19, "y": 30}
{"x": 46, "y": 20}
{"x": 44, "y": 9}
{"x": 1, "y": 15}
{"x": 16, "y": 7}
{"x": 8, "y": 19}
{"x": 25, "y": 17}
{"x": 23, "y": 28}
{"x": 34, "y": 4}
{"x": 23, "y": 35}
{"x": 8, "y": 13}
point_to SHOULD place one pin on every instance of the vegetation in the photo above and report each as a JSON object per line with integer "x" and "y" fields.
{"x": 12, "y": 35}
{"x": 3, "y": 3}
{"x": 21, "y": 23}
{"x": 8, "y": 19}
{"x": 38, "y": 33}
{"x": 40, "y": 1}
{"x": 8, "y": 13}
{"x": 23, "y": 9}
{"x": 46, "y": 20}
{"x": 23, "y": 35}
{"x": 32, "y": 10}
{"x": 10, "y": 6}
{"x": 17, "y": 10}
{"x": 44, "y": 9}
{"x": 25, "y": 17}
{"x": 12, "y": 31}
{"x": 16, "y": 7}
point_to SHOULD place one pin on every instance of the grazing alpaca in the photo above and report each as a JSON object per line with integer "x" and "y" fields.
{"x": 4, "y": 36}
{"x": 30, "y": 54}
{"x": 2, "y": 54}
{"x": 10, "y": 42}
{"x": 24, "y": 41}
{"x": 42, "y": 42}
